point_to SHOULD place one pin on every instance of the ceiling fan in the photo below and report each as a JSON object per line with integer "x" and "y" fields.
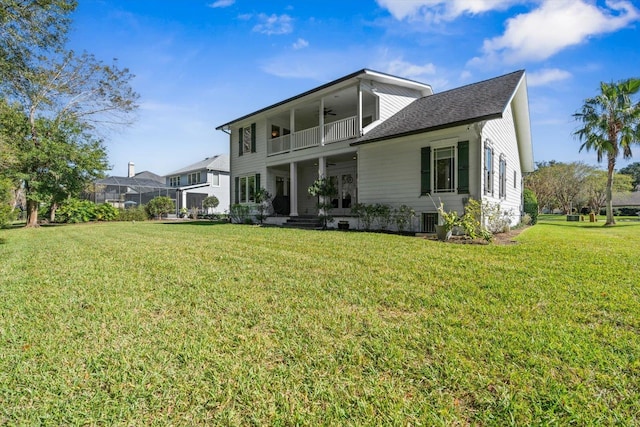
{"x": 329, "y": 112}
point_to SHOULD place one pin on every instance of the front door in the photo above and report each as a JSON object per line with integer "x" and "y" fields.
{"x": 345, "y": 198}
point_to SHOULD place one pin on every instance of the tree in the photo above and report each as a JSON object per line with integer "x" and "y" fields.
{"x": 159, "y": 206}
{"x": 210, "y": 202}
{"x": 263, "y": 204}
{"x": 557, "y": 184}
{"x": 610, "y": 125}
{"x": 323, "y": 188}
{"x": 632, "y": 170}
{"x": 31, "y": 28}
{"x": 59, "y": 89}
{"x": 595, "y": 188}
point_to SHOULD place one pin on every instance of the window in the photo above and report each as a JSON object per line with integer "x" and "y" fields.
{"x": 488, "y": 169}
{"x": 444, "y": 169}
{"x": 502, "y": 172}
{"x": 247, "y": 140}
{"x": 515, "y": 179}
{"x": 194, "y": 178}
{"x": 174, "y": 181}
{"x": 246, "y": 187}
{"x": 215, "y": 178}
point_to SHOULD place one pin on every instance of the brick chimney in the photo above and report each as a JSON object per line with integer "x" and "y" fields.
{"x": 132, "y": 170}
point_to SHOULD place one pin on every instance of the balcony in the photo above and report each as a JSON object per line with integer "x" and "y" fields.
{"x": 332, "y": 132}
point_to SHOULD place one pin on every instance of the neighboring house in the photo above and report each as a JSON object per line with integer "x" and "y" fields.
{"x": 131, "y": 190}
{"x": 385, "y": 139}
{"x": 194, "y": 183}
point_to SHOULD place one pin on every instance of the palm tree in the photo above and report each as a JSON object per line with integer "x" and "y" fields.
{"x": 611, "y": 124}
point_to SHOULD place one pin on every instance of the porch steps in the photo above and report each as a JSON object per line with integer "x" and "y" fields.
{"x": 308, "y": 222}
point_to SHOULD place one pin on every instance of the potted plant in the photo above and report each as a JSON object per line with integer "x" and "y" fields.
{"x": 448, "y": 220}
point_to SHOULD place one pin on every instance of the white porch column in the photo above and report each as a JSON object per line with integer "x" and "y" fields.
{"x": 359, "y": 118}
{"x": 322, "y": 167}
{"x": 292, "y": 128}
{"x": 321, "y": 121}
{"x": 183, "y": 202}
{"x": 293, "y": 194}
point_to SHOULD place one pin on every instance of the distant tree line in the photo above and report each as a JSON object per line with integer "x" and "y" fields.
{"x": 575, "y": 185}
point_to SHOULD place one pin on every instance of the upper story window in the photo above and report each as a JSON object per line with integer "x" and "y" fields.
{"x": 194, "y": 178}
{"x": 174, "y": 181}
{"x": 215, "y": 178}
{"x": 247, "y": 139}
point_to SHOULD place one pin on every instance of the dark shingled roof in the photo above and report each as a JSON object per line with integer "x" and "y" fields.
{"x": 484, "y": 100}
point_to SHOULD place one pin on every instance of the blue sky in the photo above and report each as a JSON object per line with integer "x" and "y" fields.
{"x": 202, "y": 63}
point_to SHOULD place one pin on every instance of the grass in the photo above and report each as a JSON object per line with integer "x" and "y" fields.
{"x": 196, "y": 324}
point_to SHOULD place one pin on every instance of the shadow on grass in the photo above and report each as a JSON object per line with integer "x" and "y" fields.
{"x": 592, "y": 226}
{"x": 203, "y": 222}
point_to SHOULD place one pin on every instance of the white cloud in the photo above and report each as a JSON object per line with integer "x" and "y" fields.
{"x": 221, "y": 3}
{"x": 300, "y": 44}
{"x": 546, "y": 76}
{"x": 554, "y": 26}
{"x": 438, "y": 10}
{"x": 399, "y": 67}
{"x": 274, "y": 24}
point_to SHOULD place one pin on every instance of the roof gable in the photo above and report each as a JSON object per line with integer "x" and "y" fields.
{"x": 484, "y": 100}
{"x": 217, "y": 163}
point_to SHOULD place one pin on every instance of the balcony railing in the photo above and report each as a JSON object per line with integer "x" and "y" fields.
{"x": 333, "y": 132}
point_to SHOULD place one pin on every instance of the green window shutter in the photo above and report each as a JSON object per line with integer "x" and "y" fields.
{"x": 253, "y": 137}
{"x": 257, "y": 181}
{"x": 425, "y": 171}
{"x": 463, "y": 167}
{"x": 240, "y": 142}
{"x": 237, "y": 190}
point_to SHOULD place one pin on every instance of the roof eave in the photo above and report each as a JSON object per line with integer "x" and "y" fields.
{"x": 430, "y": 129}
{"x": 423, "y": 87}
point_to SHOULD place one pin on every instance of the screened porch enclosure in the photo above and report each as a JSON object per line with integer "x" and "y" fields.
{"x": 123, "y": 192}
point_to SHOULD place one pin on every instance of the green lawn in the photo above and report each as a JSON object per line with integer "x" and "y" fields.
{"x": 201, "y": 324}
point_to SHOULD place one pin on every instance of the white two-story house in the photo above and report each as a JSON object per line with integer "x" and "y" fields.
{"x": 195, "y": 182}
{"x": 385, "y": 139}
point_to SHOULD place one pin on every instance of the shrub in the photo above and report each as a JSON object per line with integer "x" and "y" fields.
{"x": 139, "y": 213}
{"x": 75, "y": 211}
{"x": 106, "y": 212}
{"x": 470, "y": 221}
{"x": 7, "y": 212}
{"x": 382, "y": 215}
{"x": 366, "y": 214}
{"x": 531, "y": 205}
{"x": 239, "y": 214}
{"x": 159, "y": 206}
{"x": 403, "y": 217}
{"x": 496, "y": 220}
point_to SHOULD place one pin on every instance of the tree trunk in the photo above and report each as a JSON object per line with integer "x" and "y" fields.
{"x": 32, "y": 213}
{"x": 52, "y": 214}
{"x": 611, "y": 164}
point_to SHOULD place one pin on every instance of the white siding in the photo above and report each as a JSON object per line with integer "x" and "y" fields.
{"x": 389, "y": 171}
{"x": 394, "y": 98}
{"x": 249, "y": 163}
{"x": 501, "y": 133}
